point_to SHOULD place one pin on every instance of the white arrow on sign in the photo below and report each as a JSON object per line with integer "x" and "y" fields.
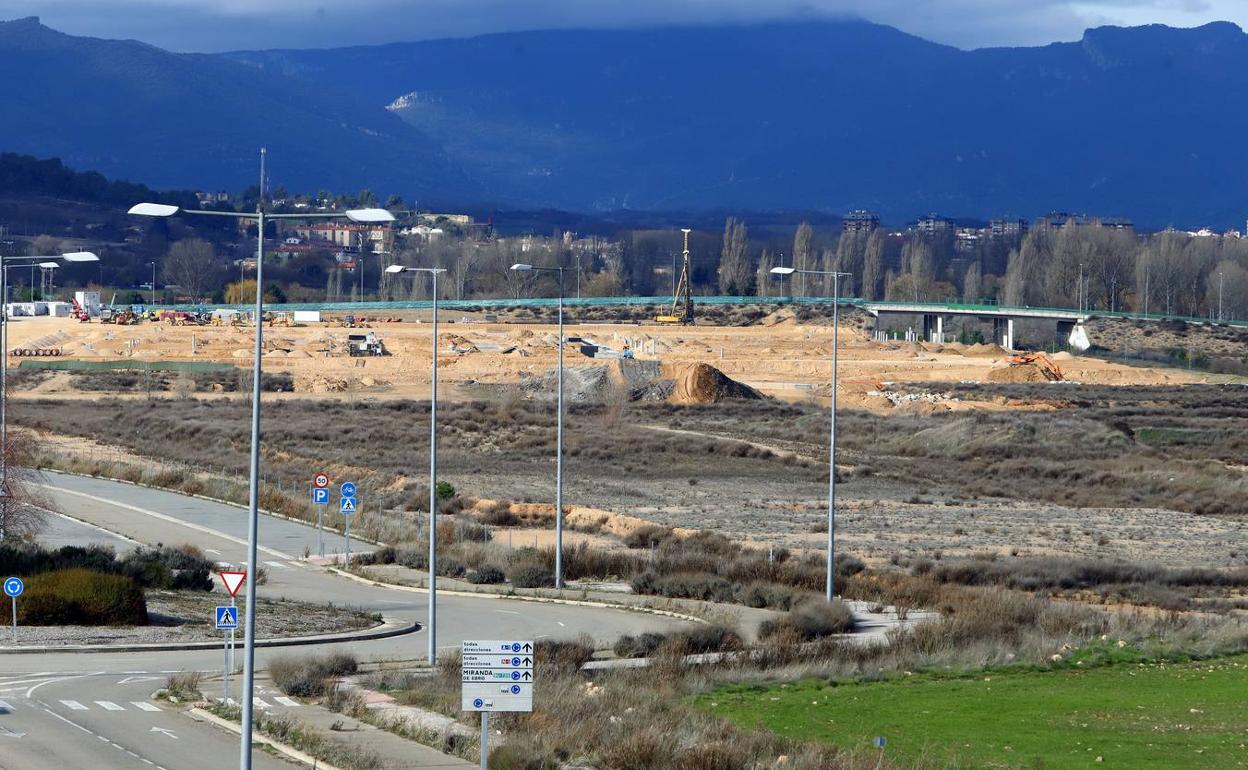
{"x": 164, "y": 731}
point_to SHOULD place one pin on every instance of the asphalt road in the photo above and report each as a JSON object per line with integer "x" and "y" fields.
{"x": 92, "y": 710}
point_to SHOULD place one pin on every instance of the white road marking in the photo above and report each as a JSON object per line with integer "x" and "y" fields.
{"x": 164, "y": 731}
{"x": 117, "y": 535}
{"x": 212, "y": 551}
{"x": 4, "y": 706}
{"x": 145, "y": 706}
{"x": 508, "y": 612}
{"x": 277, "y": 564}
{"x": 261, "y": 704}
{"x": 560, "y": 622}
{"x": 108, "y": 705}
{"x": 291, "y": 702}
{"x": 68, "y": 722}
{"x": 130, "y": 679}
{"x": 73, "y": 704}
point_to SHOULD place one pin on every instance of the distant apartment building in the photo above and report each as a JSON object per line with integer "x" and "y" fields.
{"x": 210, "y": 198}
{"x": 934, "y": 224}
{"x": 1007, "y": 228}
{"x": 345, "y": 236}
{"x": 1056, "y": 220}
{"x": 860, "y": 221}
{"x": 967, "y": 238}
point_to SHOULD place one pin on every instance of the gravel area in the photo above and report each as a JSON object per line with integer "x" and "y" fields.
{"x": 186, "y": 616}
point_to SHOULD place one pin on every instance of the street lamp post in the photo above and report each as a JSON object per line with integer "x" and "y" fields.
{"x": 830, "y": 588}
{"x": 558, "y": 429}
{"x": 153, "y": 264}
{"x": 433, "y": 462}
{"x": 75, "y": 256}
{"x": 253, "y": 497}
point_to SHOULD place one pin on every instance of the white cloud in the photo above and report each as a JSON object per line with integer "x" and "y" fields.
{"x": 225, "y": 24}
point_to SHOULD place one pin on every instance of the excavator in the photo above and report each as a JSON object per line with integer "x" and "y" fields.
{"x": 681, "y": 315}
{"x": 1047, "y": 366}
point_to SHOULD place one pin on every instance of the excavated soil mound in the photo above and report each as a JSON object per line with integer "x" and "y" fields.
{"x": 1023, "y": 373}
{"x": 984, "y": 349}
{"x": 704, "y": 384}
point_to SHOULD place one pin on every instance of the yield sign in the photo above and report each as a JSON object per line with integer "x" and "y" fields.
{"x": 233, "y": 581}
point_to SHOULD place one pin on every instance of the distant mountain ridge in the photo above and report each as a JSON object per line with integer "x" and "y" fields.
{"x": 131, "y": 110}
{"x": 1142, "y": 122}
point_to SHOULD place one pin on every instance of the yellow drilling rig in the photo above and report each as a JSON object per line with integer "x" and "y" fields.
{"x": 679, "y": 315}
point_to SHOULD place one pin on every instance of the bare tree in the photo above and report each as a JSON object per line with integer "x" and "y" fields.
{"x": 734, "y": 265}
{"x": 873, "y": 265}
{"x": 801, "y": 255}
{"x": 23, "y": 511}
{"x": 192, "y": 265}
{"x": 765, "y": 262}
{"x": 972, "y": 283}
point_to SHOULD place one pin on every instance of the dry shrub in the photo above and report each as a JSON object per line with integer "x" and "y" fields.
{"x": 812, "y": 619}
{"x": 310, "y": 676}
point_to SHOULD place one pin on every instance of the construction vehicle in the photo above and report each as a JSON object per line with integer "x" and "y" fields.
{"x": 682, "y": 301}
{"x": 365, "y": 345}
{"x": 280, "y": 318}
{"x": 178, "y": 318}
{"x": 1047, "y": 366}
{"x": 77, "y": 311}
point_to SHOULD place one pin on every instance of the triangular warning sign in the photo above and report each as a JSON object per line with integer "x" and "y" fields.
{"x": 233, "y": 581}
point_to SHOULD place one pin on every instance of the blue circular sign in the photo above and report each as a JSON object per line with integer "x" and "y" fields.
{"x": 515, "y": 689}
{"x": 478, "y": 703}
{"x": 14, "y": 587}
{"x": 348, "y": 489}
{"x": 515, "y": 661}
{"x": 515, "y": 647}
{"x": 515, "y": 675}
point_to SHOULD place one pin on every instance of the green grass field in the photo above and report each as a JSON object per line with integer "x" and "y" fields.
{"x": 1131, "y": 715}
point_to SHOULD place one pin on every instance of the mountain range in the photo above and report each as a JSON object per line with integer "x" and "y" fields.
{"x": 1143, "y": 122}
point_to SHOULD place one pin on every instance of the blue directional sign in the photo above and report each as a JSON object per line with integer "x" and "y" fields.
{"x": 346, "y": 506}
{"x": 227, "y": 618}
{"x": 320, "y": 496}
{"x": 348, "y": 489}
{"x": 13, "y": 587}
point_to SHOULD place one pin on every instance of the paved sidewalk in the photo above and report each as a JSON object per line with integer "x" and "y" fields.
{"x": 396, "y": 753}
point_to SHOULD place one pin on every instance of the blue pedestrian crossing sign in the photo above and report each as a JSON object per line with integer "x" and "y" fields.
{"x": 320, "y": 496}
{"x": 348, "y": 489}
{"x": 227, "y": 618}
{"x": 346, "y": 506}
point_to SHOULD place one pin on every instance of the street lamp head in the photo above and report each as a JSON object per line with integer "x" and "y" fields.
{"x": 369, "y": 216}
{"x": 49, "y": 265}
{"x": 521, "y": 267}
{"x": 153, "y": 210}
{"x": 80, "y": 256}
{"x": 395, "y": 269}
{"x": 783, "y": 271}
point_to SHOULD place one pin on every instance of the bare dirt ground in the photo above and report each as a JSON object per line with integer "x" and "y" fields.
{"x": 765, "y": 485}
{"x": 778, "y": 357}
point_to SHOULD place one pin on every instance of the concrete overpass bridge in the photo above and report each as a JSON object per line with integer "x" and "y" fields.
{"x": 1067, "y": 323}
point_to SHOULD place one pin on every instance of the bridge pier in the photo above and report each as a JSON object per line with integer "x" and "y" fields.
{"x": 934, "y": 328}
{"x": 1003, "y": 332}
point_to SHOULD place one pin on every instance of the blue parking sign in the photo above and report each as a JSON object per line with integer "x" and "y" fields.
{"x": 320, "y": 496}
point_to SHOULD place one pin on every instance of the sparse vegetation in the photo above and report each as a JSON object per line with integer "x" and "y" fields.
{"x": 310, "y": 676}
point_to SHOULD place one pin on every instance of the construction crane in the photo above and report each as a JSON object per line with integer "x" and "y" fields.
{"x": 679, "y": 315}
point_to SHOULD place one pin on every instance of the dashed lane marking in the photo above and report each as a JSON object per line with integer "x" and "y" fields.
{"x": 145, "y": 706}
{"x": 108, "y": 705}
{"x": 73, "y": 704}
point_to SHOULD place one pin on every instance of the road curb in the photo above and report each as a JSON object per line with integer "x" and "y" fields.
{"x": 206, "y": 498}
{"x": 196, "y": 712}
{"x": 388, "y": 629}
{"x": 520, "y": 598}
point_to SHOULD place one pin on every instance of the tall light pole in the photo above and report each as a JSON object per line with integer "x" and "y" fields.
{"x": 153, "y": 264}
{"x": 558, "y": 429}
{"x": 75, "y": 256}
{"x": 1079, "y": 290}
{"x": 433, "y": 462}
{"x": 253, "y": 497}
{"x": 781, "y": 272}
{"x": 1220, "y": 282}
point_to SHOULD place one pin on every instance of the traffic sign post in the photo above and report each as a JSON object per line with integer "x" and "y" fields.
{"x": 227, "y": 620}
{"x": 233, "y": 580}
{"x": 13, "y": 588}
{"x": 497, "y": 675}
{"x": 348, "y": 507}
{"x": 320, "y": 498}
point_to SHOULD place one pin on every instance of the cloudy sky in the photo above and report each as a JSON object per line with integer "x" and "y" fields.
{"x": 214, "y": 25}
